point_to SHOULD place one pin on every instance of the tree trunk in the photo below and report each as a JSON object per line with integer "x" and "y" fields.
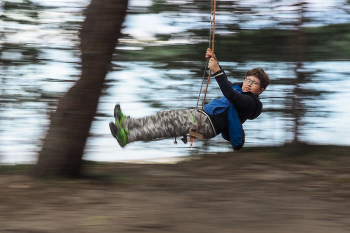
{"x": 63, "y": 147}
{"x": 298, "y": 42}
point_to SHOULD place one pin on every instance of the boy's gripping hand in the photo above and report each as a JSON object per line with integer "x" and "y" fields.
{"x": 213, "y": 65}
{"x": 209, "y": 54}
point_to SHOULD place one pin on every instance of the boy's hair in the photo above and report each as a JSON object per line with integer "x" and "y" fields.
{"x": 261, "y": 75}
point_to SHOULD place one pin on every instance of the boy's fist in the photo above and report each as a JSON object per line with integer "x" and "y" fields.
{"x": 213, "y": 65}
{"x": 208, "y": 54}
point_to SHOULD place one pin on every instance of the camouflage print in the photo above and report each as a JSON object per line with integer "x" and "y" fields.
{"x": 167, "y": 124}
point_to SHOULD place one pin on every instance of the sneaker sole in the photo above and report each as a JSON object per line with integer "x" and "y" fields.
{"x": 113, "y": 129}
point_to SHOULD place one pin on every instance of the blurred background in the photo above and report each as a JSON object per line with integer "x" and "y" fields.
{"x": 159, "y": 64}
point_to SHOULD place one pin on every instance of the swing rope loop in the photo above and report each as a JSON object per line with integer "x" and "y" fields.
{"x": 212, "y": 30}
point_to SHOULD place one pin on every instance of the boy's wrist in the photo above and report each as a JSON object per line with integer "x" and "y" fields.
{"x": 216, "y": 70}
{"x": 218, "y": 73}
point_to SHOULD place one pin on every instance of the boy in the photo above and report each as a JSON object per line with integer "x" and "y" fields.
{"x": 225, "y": 115}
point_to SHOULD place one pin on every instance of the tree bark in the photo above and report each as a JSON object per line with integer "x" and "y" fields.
{"x": 298, "y": 54}
{"x": 63, "y": 147}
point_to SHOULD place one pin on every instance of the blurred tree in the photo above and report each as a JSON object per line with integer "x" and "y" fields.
{"x": 63, "y": 147}
{"x": 298, "y": 42}
{"x": 19, "y": 12}
{"x": 15, "y": 54}
{"x": 299, "y": 94}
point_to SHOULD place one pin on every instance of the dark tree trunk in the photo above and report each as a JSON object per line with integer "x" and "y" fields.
{"x": 63, "y": 147}
{"x": 298, "y": 41}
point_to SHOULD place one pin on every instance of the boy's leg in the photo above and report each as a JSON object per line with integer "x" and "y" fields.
{"x": 138, "y": 122}
{"x": 166, "y": 124}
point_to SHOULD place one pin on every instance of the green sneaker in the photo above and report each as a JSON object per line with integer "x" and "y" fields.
{"x": 119, "y": 134}
{"x": 118, "y": 115}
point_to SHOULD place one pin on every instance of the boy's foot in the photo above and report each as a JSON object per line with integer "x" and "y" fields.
{"x": 119, "y": 134}
{"x": 118, "y": 115}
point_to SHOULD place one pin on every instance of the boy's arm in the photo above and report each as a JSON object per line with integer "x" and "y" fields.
{"x": 244, "y": 103}
{"x": 218, "y": 73}
{"x": 213, "y": 64}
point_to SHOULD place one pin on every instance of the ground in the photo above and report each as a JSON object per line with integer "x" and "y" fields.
{"x": 263, "y": 190}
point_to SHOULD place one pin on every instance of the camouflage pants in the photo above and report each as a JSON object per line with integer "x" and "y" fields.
{"x": 166, "y": 124}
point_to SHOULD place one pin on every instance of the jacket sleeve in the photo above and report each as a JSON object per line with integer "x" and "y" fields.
{"x": 243, "y": 103}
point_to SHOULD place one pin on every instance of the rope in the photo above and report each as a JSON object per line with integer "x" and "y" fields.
{"x": 209, "y": 46}
{"x": 206, "y": 89}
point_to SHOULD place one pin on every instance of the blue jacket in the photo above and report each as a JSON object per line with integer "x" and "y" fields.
{"x": 235, "y": 132}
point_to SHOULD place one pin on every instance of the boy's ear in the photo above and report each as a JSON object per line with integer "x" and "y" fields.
{"x": 262, "y": 90}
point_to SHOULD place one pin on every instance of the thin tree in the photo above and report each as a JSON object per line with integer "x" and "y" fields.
{"x": 298, "y": 41}
{"x": 63, "y": 147}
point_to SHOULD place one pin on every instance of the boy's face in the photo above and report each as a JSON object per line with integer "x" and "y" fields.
{"x": 252, "y": 84}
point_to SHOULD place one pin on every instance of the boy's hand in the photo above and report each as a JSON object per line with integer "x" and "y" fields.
{"x": 209, "y": 54}
{"x": 213, "y": 65}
